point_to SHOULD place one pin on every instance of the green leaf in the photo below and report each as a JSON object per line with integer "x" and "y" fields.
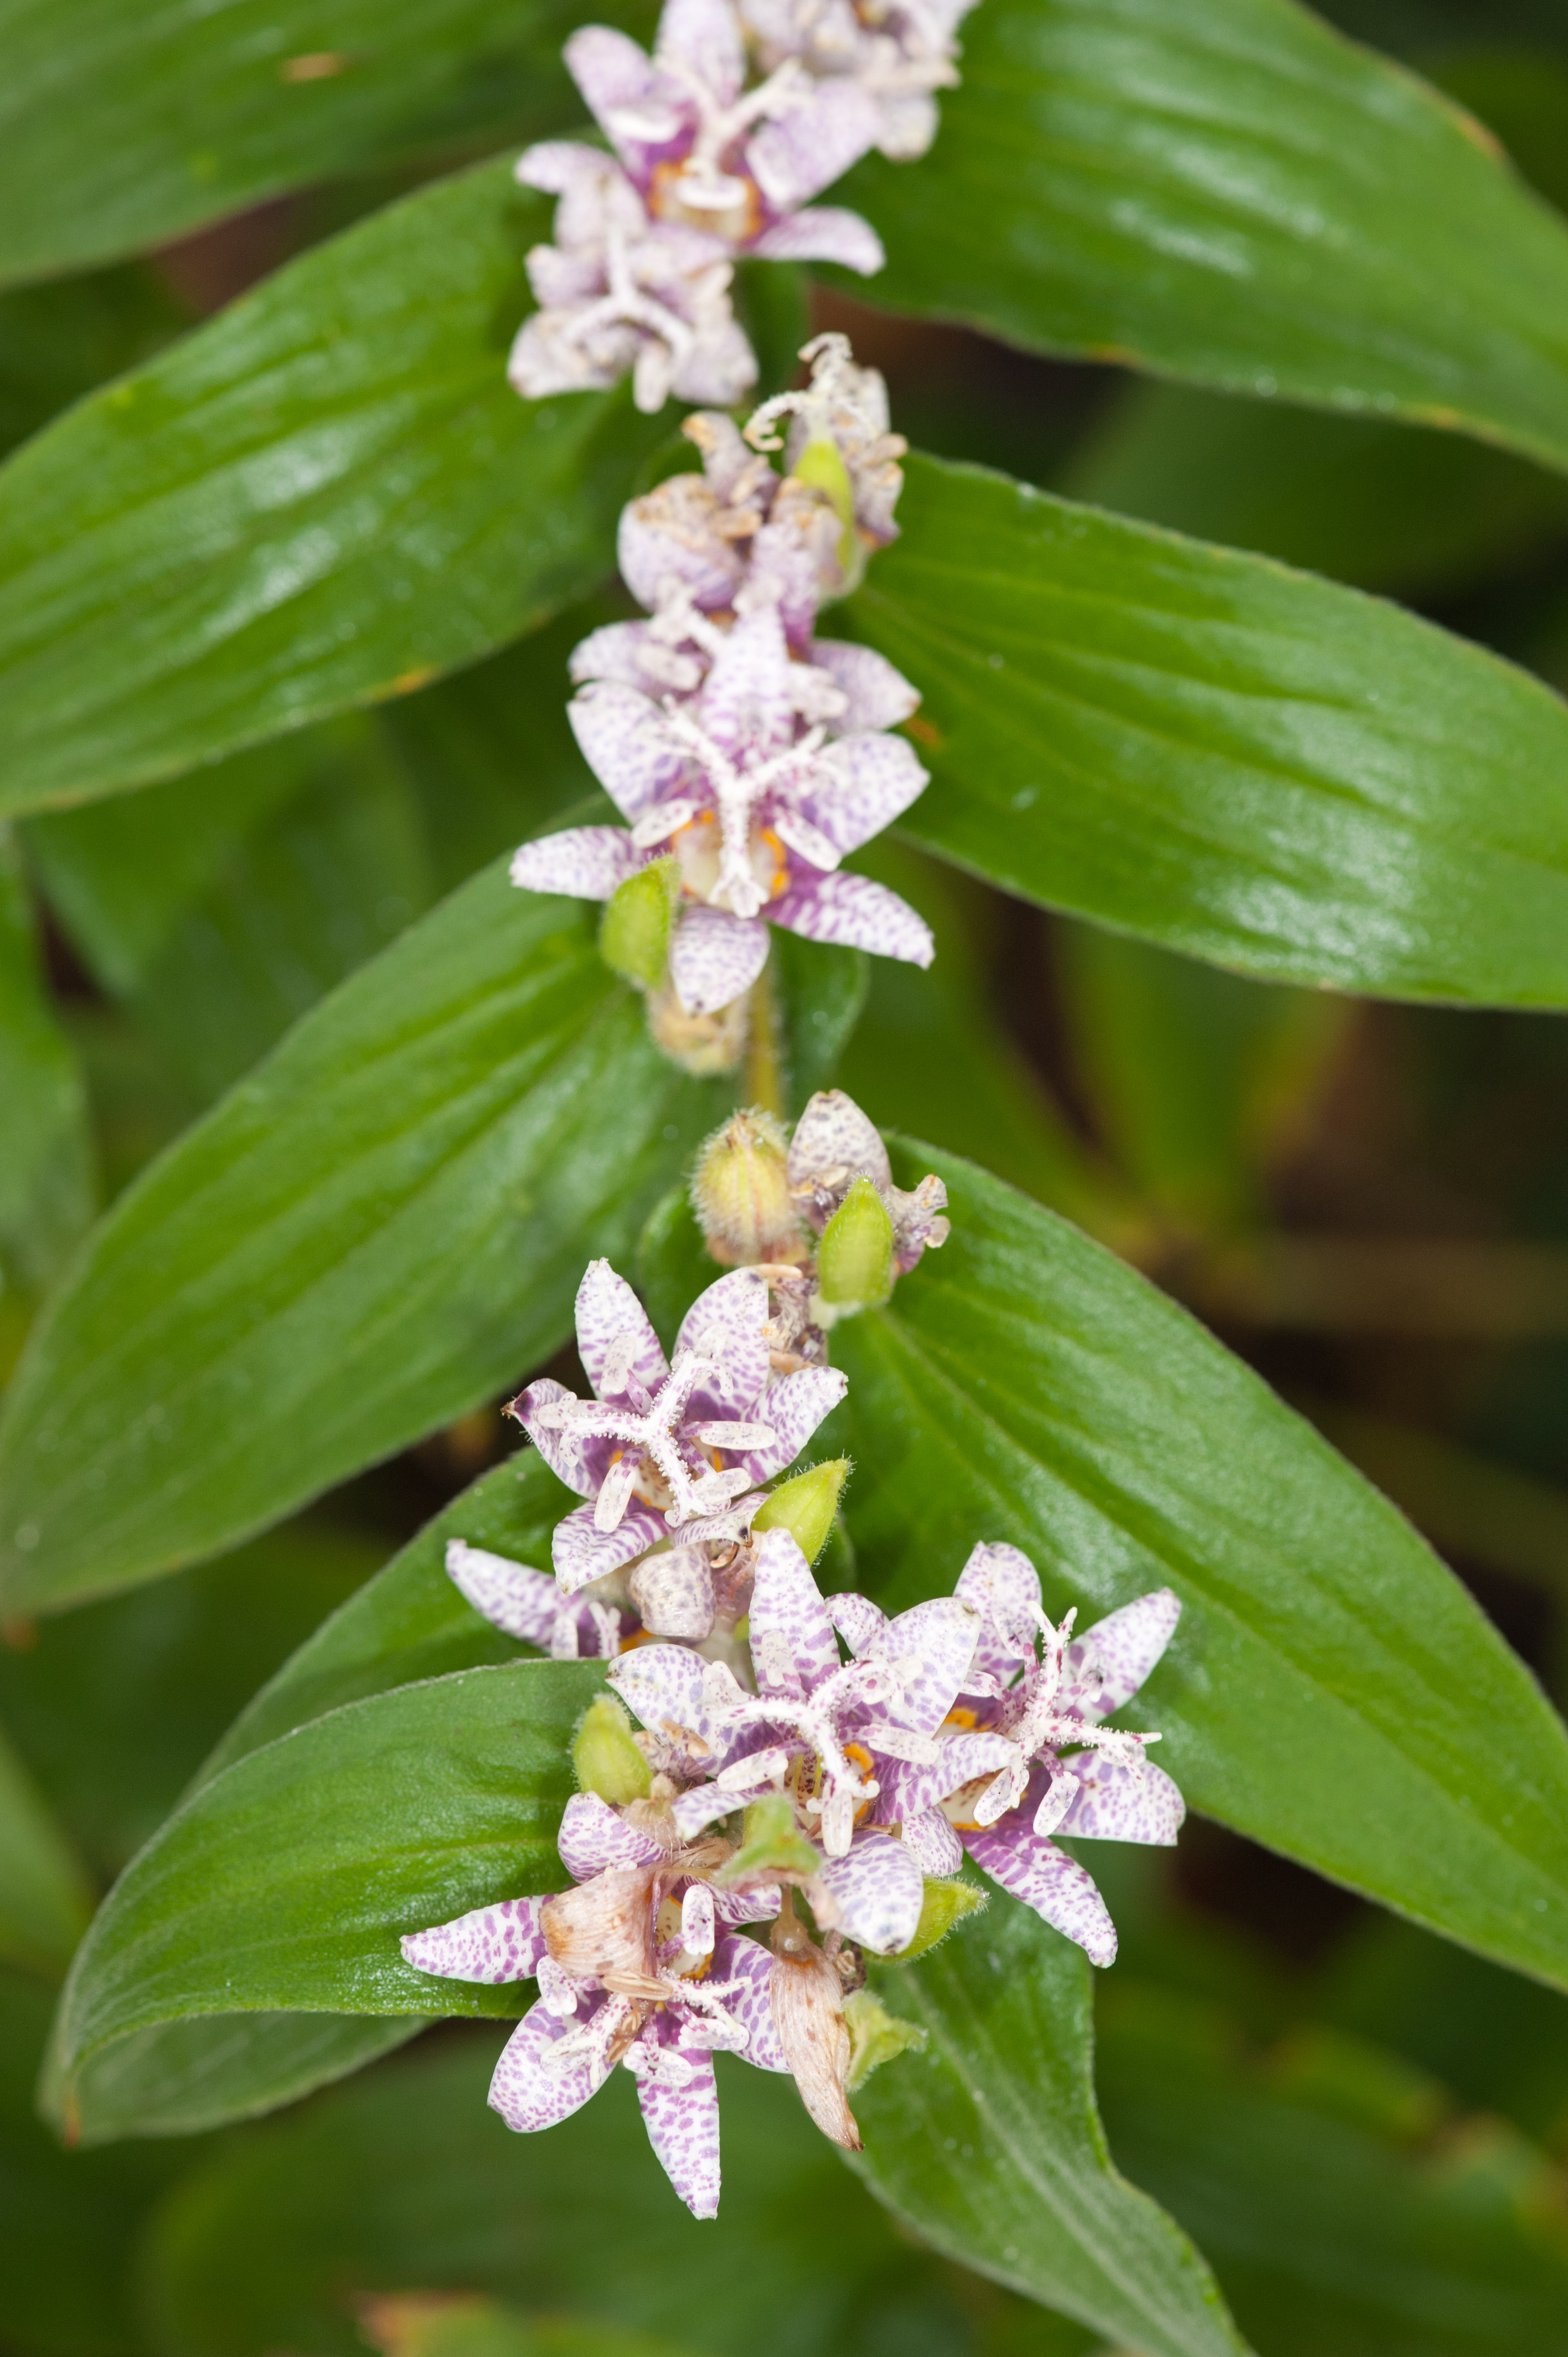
{"x": 1025, "y": 1385}
{"x": 437, "y": 2324}
{"x": 989, "y": 2145}
{"x": 123, "y": 127}
{"x": 47, "y": 1177}
{"x": 58, "y": 342}
{"x": 1243, "y": 763}
{"x": 45, "y": 1903}
{"x": 324, "y": 497}
{"x": 1336, "y": 2216}
{"x": 378, "y": 1230}
{"x": 1239, "y": 196}
{"x": 284, "y": 1884}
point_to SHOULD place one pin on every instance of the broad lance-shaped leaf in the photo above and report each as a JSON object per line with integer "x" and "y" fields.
{"x": 47, "y": 1179}
{"x": 988, "y": 2144}
{"x": 284, "y": 1884}
{"x": 1241, "y": 762}
{"x": 383, "y": 1225}
{"x": 327, "y": 495}
{"x": 1236, "y": 194}
{"x": 45, "y": 1902}
{"x": 1331, "y": 1689}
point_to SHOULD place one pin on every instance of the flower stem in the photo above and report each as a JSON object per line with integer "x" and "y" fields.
{"x": 763, "y": 1078}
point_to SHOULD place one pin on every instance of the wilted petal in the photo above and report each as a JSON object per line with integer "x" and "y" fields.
{"x": 794, "y": 1408}
{"x": 725, "y": 1323}
{"x": 792, "y": 1643}
{"x": 858, "y": 1622}
{"x": 593, "y": 1836}
{"x": 609, "y": 1312}
{"x": 808, "y": 2015}
{"x": 1105, "y": 1666}
{"x": 1046, "y": 1879}
{"x": 581, "y": 1551}
{"x": 604, "y": 1926}
{"x": 876, "y": 1890}
{"x": 579, "y": 1463}
{"x": 525, "y": 2091}
{"x": 502, "y": 1942}
{"x": 683, "y": 2123}
{"x": 670, "y": 536}
{"x": 715, "y": 957}
{"x": 589, "y": 863}
{"x": 510, "y": 1596}
{"x": 931, "y": 1646}
{"x": 627, "y": 743}
{"x": 751, "y": 1965}
{"x": 932, "y": 1843}
{"x": 856, "y": 914}
{"x": 792, "y": 159}
{"x": 862, "y": 784}
{"x": 1115, "y": 1802}
{"x": 879, "y": 696}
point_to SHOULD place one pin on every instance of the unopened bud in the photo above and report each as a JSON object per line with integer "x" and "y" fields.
{"x": 944, "y": 1904}
{"x": 875, "y": 2036}
{"x": 770, "y": 1842}
{"x": 805, "y": 1506}
{"x": 704, "y": 1045}
{"x": 634, "y": 933}
{"x": 605, "y": 1754}
{"x": 740, "y": 1192}
{"x": 855, "y": 1259}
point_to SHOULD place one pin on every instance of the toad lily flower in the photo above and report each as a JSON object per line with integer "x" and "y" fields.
{"x": 897, "y": 51}
{"x": 705, "y": 170}
{"x": 648, "y": 1449}
{"x": 835, "y": 1143}
{"x": 641, "y": 1964}
{"x": 1000, "y": 1785}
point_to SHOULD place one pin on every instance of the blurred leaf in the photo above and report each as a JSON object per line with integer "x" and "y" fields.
{"x": 437, "y": 2324}
{"x": 104, "y": 104}
{"x": 376, "y": 1230}
{"x": 406, "y": 2179}
{"x": 1328, "y": 2232}
{"x": 988, "y": 2144}
{"x": 819, "y": 992}
{"x": 1245, "y": 764}
{"x": 1023, "y": 1385}
{"x": 1380, "y": 506}
{"x": 672, "y": 1264}
{"x": 47, "y": 1176}
{"x": 324, "y": 497}
{"x": 138, "y": 1105}
{"x": 1194, "y": 1073}
{"x": 45, "y": 1903}
{"x": 1235, "y": 195}
{"x": 284, "y": 1884}
{"x": 58, "y": 342}
{"x": 1520, "y": 92}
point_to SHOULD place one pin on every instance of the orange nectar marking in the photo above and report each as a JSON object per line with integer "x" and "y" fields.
{"x": 638, "y": 1637}
{"x": 960, "y": 1715}
{"x": 713, "y": 1453}
{"x": 780, "y": 863}
{"x": 924, "y": 732}
{"x": 861, "y": 1756}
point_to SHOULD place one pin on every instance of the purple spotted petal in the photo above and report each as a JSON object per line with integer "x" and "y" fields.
{"x": 791, "y": 159}
{"x": 823, "y": 234}
{"x": 590, "y": 863}
{"x": 612, "y": 75}
{"x": 759, "y": 1904}
{"x": 561, "y": 168}
{"x": 593, "y": 1836}
{"x": 751, "y": 1965}
{"x": 715, "y": 957}
{"x": 907, "y": 1787}
{"x": 792, "y": 1643}
{"x": 662, "y": 1687}
{"x": 581, "y": 1552}
{"x": 858, "y": 1622}
{"x": 832, "y": 1135}
{"x": 706, "y": 36}
{"x": 932, "y": 1842}
{"x": 502, "y": 1942}
{"x": 861, "y": 785}
{"x": 879, "y": 696}
{"x": 608, "y": 1311}
{"x": 1046, "y": 1879}
{"x": 731, "y": 1523}
{"x": 856, "y": 913}
{"x": 669, "y": 537}
{"x": 579, "y": 1463}
{"x": 1105, "y": 1666}
{"x": 627, "y": 743}
{"x": 526, "y": 2092}
{"x": 683, "y": 2123}
{"x": 747, "y": 698}
{"x": 1005, "y": 1587}
{"x": 1118, "y": 1803}
{"x": 725, "y": 1323}
{"x": 522, "y": 1602}
{"x": 794, "y": 1407}
{"x": 876, "y": 1890}
{"x": 933, "y": 1646}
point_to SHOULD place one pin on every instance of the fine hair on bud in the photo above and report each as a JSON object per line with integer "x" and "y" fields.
{"x": 806, "y": 1505}
{"x": 740, "y": 1192}
{"x": 855, "y": 1259}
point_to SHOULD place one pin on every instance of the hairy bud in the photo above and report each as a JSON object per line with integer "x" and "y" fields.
{"x": 740, "y": 1192}
{"x": 605, "y": 1754}
{"x": 944, "y": 1904}
{"x": 805, "y": 1506}
{"x": 875, "y": 2036}
{"x": 638, "y": 918}
{"x": 855, "y": 1259}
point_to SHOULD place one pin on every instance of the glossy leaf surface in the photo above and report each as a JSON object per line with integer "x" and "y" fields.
{"x": 47, "y": 1177}
{"x": 1247, "y": 764}
{"x": 1234, "y": 194}
{"x": 1025, "y": 1385}
{"x": 384, "y": 1225}
{"x": 325, "y": 496}
{"x": 989, "y": 2145}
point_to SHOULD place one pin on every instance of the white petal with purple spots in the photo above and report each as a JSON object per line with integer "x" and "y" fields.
{"x": 502, "y": 1942}
{"x": 1116, "y": 1801}
{"x": 627, "y": 743}
{"x": 794, "y": 1408}
{"x": 1105, "y": 1666}
{"x": 725, "y": 1323}
{"x": 715, "y": 957}
{"x": 682, "y": 2117}
{"x": 876, "y": 1890}
{"x": 879, "y": 696}
{"x": 858, "y": 1622}
{"x": 862, "y": 785}
{"x": 578, "y": 1463}
{"x": 748, "y": 1963}
{"x": 1046, "y": 1879}
{"x": 526, "y": 2090}
{"x": 792, "y": 1642}
{"x": 932, "y": 1842}
{"x": 856, "y": 913}
{"x": 510, "y": 1596}
{"x": 587, "y": 863}
{"x": 931, "y": 1647}
{"x": 609, "y": 1313}
{"x": 581, "y": 1551}
{"x": 593, "y": 1836}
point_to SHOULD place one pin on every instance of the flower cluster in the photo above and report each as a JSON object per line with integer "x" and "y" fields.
{"x": 746, "y": 755}
{"x": 704, "y": 169}
{"x": 793, "y": 1749}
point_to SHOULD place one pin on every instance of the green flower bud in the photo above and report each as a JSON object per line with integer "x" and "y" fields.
{"x": 820, "y": 467}
{"x": 875, "y": 2036}
{"x": 605, "y": 1757}
{"x": 945, "y": 1903}
{"x": 855, "y": 1259}
{"x": 805, "y": 1506}
{"x": 740, "y": 1192}
{"x": 634, "y": 933}
{"x": 770, "y": 1842}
